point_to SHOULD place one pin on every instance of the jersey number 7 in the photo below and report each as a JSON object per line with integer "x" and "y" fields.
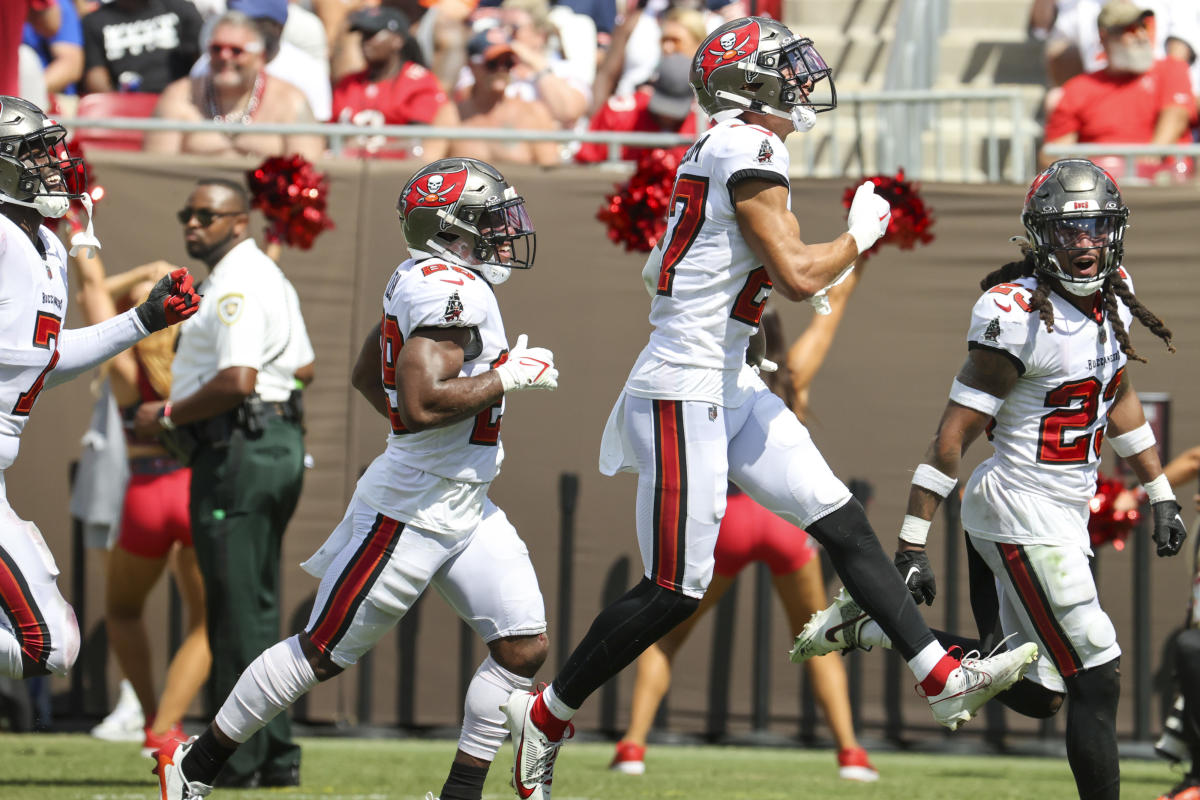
{"x": 45, "y": 336}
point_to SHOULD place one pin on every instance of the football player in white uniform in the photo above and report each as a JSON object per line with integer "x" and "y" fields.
{"x": 1045, "y": 377}
{"x": 693, "y": 415}
{"x": 39, "y": 179}
{"x": 438, "y": 368}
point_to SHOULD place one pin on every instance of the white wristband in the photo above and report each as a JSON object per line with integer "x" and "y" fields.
{"x": 1159, "y": 489}
{"x": 934, "y": 480}
{"x": 1133, "y": 442}
{"x": 914, "y": 530}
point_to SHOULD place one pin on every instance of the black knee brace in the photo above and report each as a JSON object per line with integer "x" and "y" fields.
{"x": 620, "y": 633}
{"x": 1092, "y": 731}
{"x": 1031, "y": 699}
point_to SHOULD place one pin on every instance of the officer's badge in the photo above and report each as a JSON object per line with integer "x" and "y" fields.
{"x": 712, "y": 413}
{"x": 229, "y": 308}
{"x": 454, "y": 309}
{"x": 992, "y": 333}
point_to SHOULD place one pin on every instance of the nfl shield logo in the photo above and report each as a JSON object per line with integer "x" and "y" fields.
{"x": 712, "y": 413}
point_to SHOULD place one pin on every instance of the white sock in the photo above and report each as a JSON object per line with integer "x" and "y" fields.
{"x": 555, "y": 706}
{"x": 872, "y": 635}
{"x": 483, "y": 729}
{"x": 923, "y": 662}
{"x": 280, "y": 676}
{"x": 10, "y": 655}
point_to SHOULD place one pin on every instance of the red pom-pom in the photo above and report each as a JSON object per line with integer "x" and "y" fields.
{"x": 292, "y": 196}
{"x": 911, "y": 218}
{"x": 1107, "y": 524}
{"x": 635, "y": 215}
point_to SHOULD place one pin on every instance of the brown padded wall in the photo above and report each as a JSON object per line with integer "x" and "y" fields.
{"x": 875, "y": 404}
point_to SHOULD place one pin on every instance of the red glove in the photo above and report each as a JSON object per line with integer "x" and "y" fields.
{"x": 172, "y": 300}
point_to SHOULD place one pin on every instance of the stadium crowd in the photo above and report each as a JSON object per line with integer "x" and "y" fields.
{"x": 604, "y": 65}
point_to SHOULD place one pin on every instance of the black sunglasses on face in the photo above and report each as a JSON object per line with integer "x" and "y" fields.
{"x": 204, "y": 216}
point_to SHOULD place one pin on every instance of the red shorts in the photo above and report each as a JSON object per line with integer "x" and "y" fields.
{"x": 156, "y": 508}
{"x": 751, "y": 533}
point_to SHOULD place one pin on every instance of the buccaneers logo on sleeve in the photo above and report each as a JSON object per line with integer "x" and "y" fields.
{"x": 438, "y": 189}
{"x": 734, "y": 46}
{"x": 454, "y": 309}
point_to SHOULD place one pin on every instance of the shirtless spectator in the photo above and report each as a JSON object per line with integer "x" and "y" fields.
{"x": 395, "y": 88}
{"x": 285, "y": 60}
{"x": 664, "y": 106}
{"x": 491, "y": 59}
{"x": 139, "y": 45}
{"x": 1135, "y": 99}
{"x": 238, "y": 89}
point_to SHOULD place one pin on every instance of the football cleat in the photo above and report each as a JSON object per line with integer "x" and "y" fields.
{"x": 1187, "y": 789}
{"x": 168, "y": 740}
{"x": 853, "y": 765}
{"x": 125, "y": 723}
{"x": 629, "y": 758}
{"x": 171, "y": 783}
{"x": 533, "y": 752}
{"x": 977, "y": 680}
{"x": 831, "y": 629}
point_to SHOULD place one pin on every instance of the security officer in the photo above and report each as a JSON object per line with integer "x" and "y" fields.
{"x": 234, "y": 416}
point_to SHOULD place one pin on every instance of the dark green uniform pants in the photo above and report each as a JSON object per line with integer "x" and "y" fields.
{"x": 242, "y": 497}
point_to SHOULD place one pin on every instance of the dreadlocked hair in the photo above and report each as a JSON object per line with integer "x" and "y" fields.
{"x": 1116, "y": 287}
{"x": 1040, "y": 299}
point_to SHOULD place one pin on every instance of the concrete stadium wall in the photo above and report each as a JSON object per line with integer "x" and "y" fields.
{"x": 875, "y": 406}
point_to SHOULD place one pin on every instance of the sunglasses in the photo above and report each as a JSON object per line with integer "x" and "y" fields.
{"x": 218, "y": 50}
{"x": 205, "y": 216}
{"x": 501, "y": 64}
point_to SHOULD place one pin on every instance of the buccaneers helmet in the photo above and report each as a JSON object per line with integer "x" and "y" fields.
{"x": 463, "y": 210}
{"x": 35, "y": 168}
{"x": 1072, "y": 207}
{"x": 757, "y": 64}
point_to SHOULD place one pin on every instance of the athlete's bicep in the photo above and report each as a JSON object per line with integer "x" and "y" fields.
{"x": 429, "y": 357}
{"x": 765, "y": 222}
{"x": 991, "y": 371}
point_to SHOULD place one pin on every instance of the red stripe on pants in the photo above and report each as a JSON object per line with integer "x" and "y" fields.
{"x": 20, "y": 607}
{"x": 670, "y": 479}
{"x": 1043, "y": 617}
{"x": 353, "y": 583}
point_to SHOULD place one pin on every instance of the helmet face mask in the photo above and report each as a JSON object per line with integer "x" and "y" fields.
{"x": 757, "y": 64}
{"x": 1074, "y": 208}
{"x": 463, "y": 210}
{"x": 35, "y": 168}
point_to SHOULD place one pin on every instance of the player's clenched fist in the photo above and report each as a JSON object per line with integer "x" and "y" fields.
{"x": 869, "y": 216}
{"x": 172, "y": 300}
{"x": 528, "y": 368}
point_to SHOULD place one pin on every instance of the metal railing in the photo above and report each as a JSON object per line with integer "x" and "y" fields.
{"x": 934, "y": 134}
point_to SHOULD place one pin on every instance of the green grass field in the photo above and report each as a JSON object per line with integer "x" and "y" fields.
{"x": 77, "y": 767}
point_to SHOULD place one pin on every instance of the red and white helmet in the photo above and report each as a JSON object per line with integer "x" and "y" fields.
{"x": 757, "y": 64}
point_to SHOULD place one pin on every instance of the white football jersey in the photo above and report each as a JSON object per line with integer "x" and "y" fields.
{"x": 711, "y": 289}
{"x": 33, "y": 304}
{"x": 433, "y": 293}
{"x": 1048, "y": 432}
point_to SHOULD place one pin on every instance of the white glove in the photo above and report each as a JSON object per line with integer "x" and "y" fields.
{"x": 869, "y": 216}
{"x": 766, "y": 365}
{"x": 651, "y": 270}
{"x": 528, "y": 368}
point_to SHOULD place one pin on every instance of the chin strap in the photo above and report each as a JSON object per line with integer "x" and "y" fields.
{"x": 803, "y": 118}
{"x": 86, "y": 238}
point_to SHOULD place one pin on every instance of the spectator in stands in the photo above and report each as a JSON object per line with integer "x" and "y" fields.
{"x": 541, "y": 73}
{"x": 61, "y": 54}
{"x": 1135, "y": 99}
{"x": 285, "y": 60}
{"x": 1073, "y": 43}
{"x": 45, "y": 17}
{"x": 492, "y": 59}
{"x": 664, "y": 106}
{"x": 628, "y": 63}
{"x": 442, "y": 32}
{"x": 394, "y": 89}
{"x": 139, "y": 45}
{"x": 237, "y": 89}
